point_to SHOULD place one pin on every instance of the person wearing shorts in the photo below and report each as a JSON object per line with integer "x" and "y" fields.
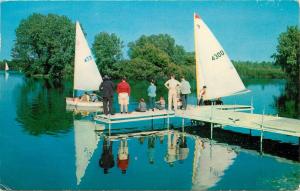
{"x": 123, "y": 90}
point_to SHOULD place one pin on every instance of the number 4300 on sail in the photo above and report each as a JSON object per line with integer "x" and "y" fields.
{"x": 218, "y": 55}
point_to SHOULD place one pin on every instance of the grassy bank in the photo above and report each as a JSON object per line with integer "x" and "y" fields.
{"x": 246, "y": 69}
{"x": 258, "y": 70}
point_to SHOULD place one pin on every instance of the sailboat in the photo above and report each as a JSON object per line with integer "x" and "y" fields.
{"x": 213, "y": 66}
{"x": 86, "y": 141}
{"x": 86, "y": 74}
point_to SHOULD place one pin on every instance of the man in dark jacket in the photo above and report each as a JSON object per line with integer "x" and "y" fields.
{"x": 107, "y": 87}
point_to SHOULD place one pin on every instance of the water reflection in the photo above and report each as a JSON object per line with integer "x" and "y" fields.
{"x": 123, "y": 155}
{"x": 288, "y": 103}
{"x": 41, "y": 108}
{"x": 248, "y": 141}
{"x": 107, "y": 158}
{"x": 211, "y": 161}
{"x": 86, "y": 142}
{"x": 208, "y": 160}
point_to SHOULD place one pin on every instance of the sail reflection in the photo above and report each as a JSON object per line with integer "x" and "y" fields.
{"x": 86, "y": 142}
{"x": 210, "y": 163}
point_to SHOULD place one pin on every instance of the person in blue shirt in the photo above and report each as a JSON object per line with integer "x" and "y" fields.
{"x": 152, "y": 94}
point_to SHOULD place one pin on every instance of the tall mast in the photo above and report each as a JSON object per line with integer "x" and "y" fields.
{"x": 197, "y": 57}
{"x": 76, "y": 31}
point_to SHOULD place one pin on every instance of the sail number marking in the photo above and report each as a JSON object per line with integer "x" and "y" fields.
{"x": 218, "y": 55}
{"x": 88, "y": 58}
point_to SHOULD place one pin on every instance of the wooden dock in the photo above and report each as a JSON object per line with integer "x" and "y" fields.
{"x": 134, "y": 116}
{"x": 231, "y": 115}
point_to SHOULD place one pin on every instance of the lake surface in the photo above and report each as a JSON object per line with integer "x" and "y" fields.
{"x": 43, "y": 146}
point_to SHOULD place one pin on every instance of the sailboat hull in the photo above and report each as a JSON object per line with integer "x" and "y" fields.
{"x": 83, "y": 105}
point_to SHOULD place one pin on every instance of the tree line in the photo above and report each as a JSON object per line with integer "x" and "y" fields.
{"x": 44, "y": 46}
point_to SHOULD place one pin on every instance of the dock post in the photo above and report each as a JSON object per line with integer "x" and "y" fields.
{"x": 211, "y": 112}
{"x": 182, "y": 124}
{"x": 168, "y": 121}
{"x": 211, "y": 131}
{"x": 251, "y": 104}
{"x": 109, "y": 126}
{"x": 262, "y": 131}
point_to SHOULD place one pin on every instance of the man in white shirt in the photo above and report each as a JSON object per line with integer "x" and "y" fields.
{"x": 172, "y": 85}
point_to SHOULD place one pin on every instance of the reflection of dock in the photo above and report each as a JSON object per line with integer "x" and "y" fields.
{"x": 231, "y": 115}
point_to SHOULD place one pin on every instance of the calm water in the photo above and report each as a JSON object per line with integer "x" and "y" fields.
{"x": 45, "y": 147}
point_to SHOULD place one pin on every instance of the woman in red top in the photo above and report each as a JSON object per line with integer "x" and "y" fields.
{"x": 123, "y": 90}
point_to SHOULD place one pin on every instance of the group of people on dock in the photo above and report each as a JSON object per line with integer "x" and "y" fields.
{"x": 177, "y": 95}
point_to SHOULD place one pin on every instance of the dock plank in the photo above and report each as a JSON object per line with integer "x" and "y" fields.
{"x": 267, "y": 123}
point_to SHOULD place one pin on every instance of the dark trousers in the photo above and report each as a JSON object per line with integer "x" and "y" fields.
{"x": 151, "y": 102}
{"x": 183, "y": 98}
{"x": 107, "y": 105}
{"x": 200, "y": 102}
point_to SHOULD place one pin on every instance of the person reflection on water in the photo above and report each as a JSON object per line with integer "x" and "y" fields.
{"x": 151, "y": 146}
{"x": 171, "y": 155}
{"x": 183, "y": 148}
{"x": 123, "y": 156}
{"x": 107, "y": 158}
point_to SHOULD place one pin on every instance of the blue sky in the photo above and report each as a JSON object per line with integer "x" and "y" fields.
{"x": 247, "y": 30}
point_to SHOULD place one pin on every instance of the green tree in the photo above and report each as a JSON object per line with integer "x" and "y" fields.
{"x": 165, "y": 43}
{"x": 162, "y": 53}
{"x": 45, "y": 45}
{"x": 288, "y": 52}
{"x": 288, "y": 57}
{"x": 107, "y": 49}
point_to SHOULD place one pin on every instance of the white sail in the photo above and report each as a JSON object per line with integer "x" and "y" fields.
{"x": 213, "y": 67}
{"x": 86, "y": 74}
{"x": 86, "y": 142}
{"x": 6, "y": 66}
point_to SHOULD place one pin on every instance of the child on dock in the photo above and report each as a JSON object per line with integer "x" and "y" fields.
{"x": 142, "y": 106}
{"x": 161, "y": 104}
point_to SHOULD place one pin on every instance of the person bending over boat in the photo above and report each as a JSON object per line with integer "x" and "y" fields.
{"x": 152, "y": 94}
{"x": 219, "y": 101}
{"x": 172, "y": 84}
{"x": 107, "y": 87}
{"x": 94, "y": 97}
{"x": 185, "y": 90}
{"x": 161, "y": 104}
{"x": 85, "y": 97}
{"x": 142, "y": 107}
{"x": 202, "y": 95}
{"x": 123, "y": 90}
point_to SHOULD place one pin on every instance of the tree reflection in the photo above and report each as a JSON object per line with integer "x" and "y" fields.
{"x": 288, "y": 103}
{"x": 41, "y": 107}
